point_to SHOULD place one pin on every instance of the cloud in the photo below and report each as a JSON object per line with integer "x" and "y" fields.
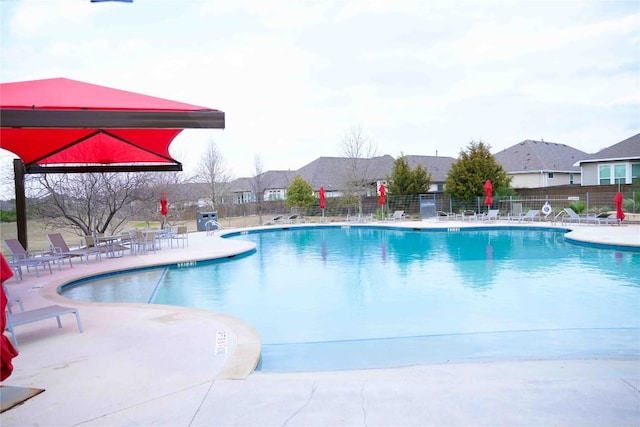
{"x": 292, "y": 77}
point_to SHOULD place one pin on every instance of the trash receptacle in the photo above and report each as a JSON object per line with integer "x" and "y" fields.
{"x": 203, "y": 218}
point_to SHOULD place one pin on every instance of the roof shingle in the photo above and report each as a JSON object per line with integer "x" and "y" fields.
{"x": 545, "y": 156}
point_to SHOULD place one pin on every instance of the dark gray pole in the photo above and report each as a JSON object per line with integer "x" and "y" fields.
{"x": 21, "y": 203}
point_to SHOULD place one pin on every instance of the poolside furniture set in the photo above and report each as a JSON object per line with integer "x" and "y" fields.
{"x": 360, "y": 218}
{"x": 285, "y": 219}
{"x": 92, "y": 247}
{"x": 565, "y": 216}
{"x": 569, "y": 216}
{"x": 137, "y": 242}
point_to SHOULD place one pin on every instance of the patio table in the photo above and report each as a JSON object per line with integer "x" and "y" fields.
{"x": 111, "y": 242}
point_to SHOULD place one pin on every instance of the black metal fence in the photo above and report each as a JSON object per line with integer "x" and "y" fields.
{"x": 582, "y": 199}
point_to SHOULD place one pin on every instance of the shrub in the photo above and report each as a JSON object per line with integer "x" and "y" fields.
{"x": 628, "y": 205}
{"x": 7, "y": 216}
{"x": 577, "y": 206}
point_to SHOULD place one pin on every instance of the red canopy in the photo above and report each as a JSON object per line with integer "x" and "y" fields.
{"x": 63, "y": 121}
{"x": 66, "y": 126}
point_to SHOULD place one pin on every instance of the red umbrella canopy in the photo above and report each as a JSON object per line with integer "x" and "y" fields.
{"x": 618, "y": 201}
{"x": 163, "y": 204}
{"x": 322, "y": 196}
{"x": 488, "y": 190}
{"x": 143, "y": 140}
{"x": 383, "y": 193}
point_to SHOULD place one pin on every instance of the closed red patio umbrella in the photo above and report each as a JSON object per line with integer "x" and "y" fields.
{"x": 7, "y": 350}
{"x": 163, "y": 208}
{"x": 488, "y": 189}
{"x": 382, "y": 200}
{"x": 618, "y": 201}
{"x": 163, "y": 204}
{"x": 322, "y": 200}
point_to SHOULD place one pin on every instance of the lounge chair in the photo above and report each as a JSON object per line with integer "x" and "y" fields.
{"x": 568, "y": 215}
{"x": 275, "y": 220}
{"x": 12, "y": 299}
{"x": 604, "y": 218}
{"x": 397, "y": 216}
{"x": 360, "y": 218}
{"x": 30, "y": 316}
{"x": 442, "y": 216}
{"x": 23, "y": 258}
{"x": 294, "y": 219}
{"x": 530, "y": 215}
{"x": 60, "y": 247}
{"x": 493, "y": 214}
{"x": 469, "y": 214}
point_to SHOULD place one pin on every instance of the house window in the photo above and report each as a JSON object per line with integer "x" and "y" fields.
{"x": 604, "y": 171}
{"x": 550, "y": 175}
{"x": 570, "y": 178}
{"x": 620, "y": 174}
{"x": 635, "y": 173}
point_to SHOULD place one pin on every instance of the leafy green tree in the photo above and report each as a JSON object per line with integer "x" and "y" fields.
{"x": 404, "y": 181}
{"x": 421, "y": 180}
{"x": 473, "y": 168}
{"x": 299, "y": 193}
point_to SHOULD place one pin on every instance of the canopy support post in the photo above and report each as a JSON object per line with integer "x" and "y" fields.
{"x": 21, "y": 203}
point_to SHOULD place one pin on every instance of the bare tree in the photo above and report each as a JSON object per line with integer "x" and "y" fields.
{"x": 359, "y": 149}
{"x": 6, "y": 177}
{"x": 92, "y": 201}
{"x": 257, "y": 184}
{"x": 213, "y": 170}
{"x": 172, "y": 184}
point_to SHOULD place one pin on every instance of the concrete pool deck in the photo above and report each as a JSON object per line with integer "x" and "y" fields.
{"x": 138, "y": 364}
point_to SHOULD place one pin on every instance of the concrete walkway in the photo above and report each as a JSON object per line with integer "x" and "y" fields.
{"x": 139, "y": 364}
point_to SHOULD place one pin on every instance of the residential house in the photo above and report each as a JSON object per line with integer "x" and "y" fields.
{"x": 437, "y": 166}
{"x": 617, "y": 164}
{"x": 535, "y": 164}
{"x": 272, "y": 184}
{"x": 333, "y": 173}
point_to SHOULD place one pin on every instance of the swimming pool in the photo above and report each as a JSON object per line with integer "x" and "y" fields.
{"x": 367, "y": 297}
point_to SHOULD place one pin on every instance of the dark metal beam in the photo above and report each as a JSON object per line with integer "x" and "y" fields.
{"x": 21, "y": 202}
{"x": 173, "y": 167}
{"x": 109, "y": 119}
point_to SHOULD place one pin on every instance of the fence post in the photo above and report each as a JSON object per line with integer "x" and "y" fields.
{"x": 587, "y": 195}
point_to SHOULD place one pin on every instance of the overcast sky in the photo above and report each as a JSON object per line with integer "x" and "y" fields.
{"x": 293, "y": 77}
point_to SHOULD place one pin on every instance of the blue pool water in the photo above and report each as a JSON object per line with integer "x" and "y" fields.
{"x": 332, "y": 298}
